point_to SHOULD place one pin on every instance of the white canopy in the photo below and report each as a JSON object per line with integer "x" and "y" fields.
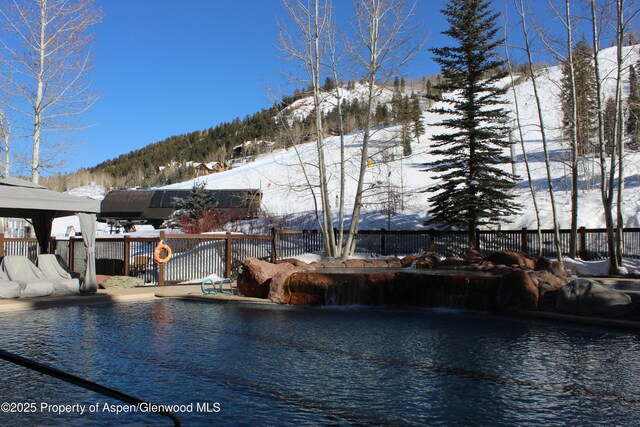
{"x": 24, "y": 199}
{"x": 20, "y": 199}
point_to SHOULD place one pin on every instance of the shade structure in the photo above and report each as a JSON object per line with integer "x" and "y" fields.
{"x": 24, "y": 199}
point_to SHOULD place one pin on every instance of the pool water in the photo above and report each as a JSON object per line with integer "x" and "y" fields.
{"x": 275, "y": 365}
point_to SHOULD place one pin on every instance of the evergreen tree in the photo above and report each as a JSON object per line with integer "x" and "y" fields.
{"x": 416, "y": 117}
{"x": 584, "y": 78}
{"x": 329, "y": 84}
{"x": 396, "y": 84}
{"x": 198, "y": 201}
{"x": 609, "y": 123}
{"x": 473, "y": 189}
{"x": 382, "y": 114}
{"x": 633, "y": 103}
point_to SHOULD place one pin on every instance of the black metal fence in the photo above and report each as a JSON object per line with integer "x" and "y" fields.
{"x": 197, "y": 256}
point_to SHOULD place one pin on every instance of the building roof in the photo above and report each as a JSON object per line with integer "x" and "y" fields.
{"x": 158, "y": 205}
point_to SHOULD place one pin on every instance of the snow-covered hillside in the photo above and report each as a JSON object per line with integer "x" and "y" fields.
{"x": 280, "y": 177}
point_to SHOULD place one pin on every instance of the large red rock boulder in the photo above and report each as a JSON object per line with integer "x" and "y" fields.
{"x": 255, "y": 277}
{"x": 428, "y": 261}
{"x": 309, "y": 288}
{"x": 354, "y": 263}
{"x": 473, "y": 256}
{"x": 513, "y": 258}
{"x": 517, "y": 291}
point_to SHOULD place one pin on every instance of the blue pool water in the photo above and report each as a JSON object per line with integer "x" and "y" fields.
{"x": 272, "y": 365}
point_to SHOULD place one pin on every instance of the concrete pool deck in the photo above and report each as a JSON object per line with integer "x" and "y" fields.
{"x": 107, "y": 296}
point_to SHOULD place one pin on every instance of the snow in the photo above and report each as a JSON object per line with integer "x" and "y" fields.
{"x": 287, "y": 199}
{"x": 280, "y": 178}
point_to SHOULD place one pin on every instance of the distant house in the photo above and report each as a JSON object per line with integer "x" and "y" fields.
{"x": 252, "y": 147}
{"x": 156, "y": 206}
{"x": 211, "y": 167}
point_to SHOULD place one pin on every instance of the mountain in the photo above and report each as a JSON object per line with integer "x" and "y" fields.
{"x": 394, "y": 197}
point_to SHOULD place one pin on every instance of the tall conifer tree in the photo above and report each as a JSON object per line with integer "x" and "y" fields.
{"x": 584, "y": 80}
{"x": 473, "y": 188}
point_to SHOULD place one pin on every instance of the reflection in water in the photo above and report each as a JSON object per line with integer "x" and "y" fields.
{"x": 362, "y": 366}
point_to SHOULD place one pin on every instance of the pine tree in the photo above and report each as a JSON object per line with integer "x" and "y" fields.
{"x": 329, "y": 84}
{"x": 609, "y": 123}
{"x": 473, "y": 189}
{"x": 584, "y": 78}
{"x": 633, "y": 103}
{"x": 416, "y": 117}
{"x": 198, "y": 201}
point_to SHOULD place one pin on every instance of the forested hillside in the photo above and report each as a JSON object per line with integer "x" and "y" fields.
{"x": 285, "y": 124}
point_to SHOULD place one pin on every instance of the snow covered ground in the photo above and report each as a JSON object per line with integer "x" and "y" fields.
{"x": 279, "y": 174}
{"x": 280, "y": 177}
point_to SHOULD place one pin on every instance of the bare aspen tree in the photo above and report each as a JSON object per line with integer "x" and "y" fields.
{"x": 308, "y": 47}
{"x": 334, "y": 64}
{"x": 5, "y": 133}
{"x": 49, "y": 49}
{"x": 573, "y": 126}
{"x": 606, "y": 181}
{"x": 525, "y": 157}
{"x": 556, "y": 229}
{"x": 383, "y": 44}
{"x": 622, "y": 27}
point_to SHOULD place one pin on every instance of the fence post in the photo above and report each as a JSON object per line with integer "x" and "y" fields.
{"x": 1, "y": 244}
{"x": 161, "y": 266}
{"x": 582, "y": 251}
{"x": 127, "y": 256}
{"x": 227, "y": 256}
{"x": 523, "y": 240}
{"x": 383, "y": 242}
{"x": 72, "y": 254}
{"x": 274, "y": 248}
{"x": 52, "y": 245}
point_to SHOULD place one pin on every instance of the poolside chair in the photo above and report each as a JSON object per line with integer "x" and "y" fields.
{"x": 8, "y": 289}
{"x": 33, "y": 282}
{"x": 61, "y": 278}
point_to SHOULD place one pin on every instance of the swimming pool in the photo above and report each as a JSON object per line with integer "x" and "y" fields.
{"x": 273, "y": 365}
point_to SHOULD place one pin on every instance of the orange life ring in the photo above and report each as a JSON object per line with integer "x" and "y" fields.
{"x": 156, "y": 253}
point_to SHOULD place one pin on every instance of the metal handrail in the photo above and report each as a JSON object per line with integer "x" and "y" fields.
{"x": 81, "y": 382}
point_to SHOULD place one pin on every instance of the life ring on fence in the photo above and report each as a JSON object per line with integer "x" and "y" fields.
{"x": 158, "y": 250}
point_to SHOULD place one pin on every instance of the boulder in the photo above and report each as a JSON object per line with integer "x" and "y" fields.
{"x": 409, "y": 261}
{"x": 375, "y": 263}
{"x": 543, "y": 263}
{"x": 587, "y": 297}
{"x": 474, "y": 255}
{"x": 309, "y": 288}
{"x": 513, "y": 258}
{"x": 333, "y": 264}
{"x": 394, "y": 263}
{"x": 292, "y": 261}
{"x": 453, "y": 262}
{"x": 354, "y": 263}
{"x": 517, "y": 292}
{"x": 547, "y": 281}
{"x": 427, "y": 261}
{"x": 279, "y": 288}
{"x": 254, "y": 279}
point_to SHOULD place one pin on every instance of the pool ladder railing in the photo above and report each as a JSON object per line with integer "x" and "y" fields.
{"x": 81, "y": 382}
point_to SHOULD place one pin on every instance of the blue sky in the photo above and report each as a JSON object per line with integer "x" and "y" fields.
{"x": 166, "y": 68}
